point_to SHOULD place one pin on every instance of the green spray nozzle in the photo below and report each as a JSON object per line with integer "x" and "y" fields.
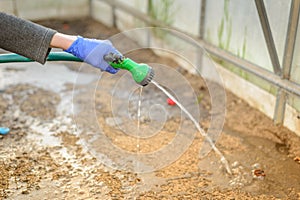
{"x": 141, "y": 73}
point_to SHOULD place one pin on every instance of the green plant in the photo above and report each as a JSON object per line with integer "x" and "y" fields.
{"x": 225, "y": 28}
{"x": 163, "y": 11}
{"x": 242, "y": 53}
{"x": 200, "y": 97}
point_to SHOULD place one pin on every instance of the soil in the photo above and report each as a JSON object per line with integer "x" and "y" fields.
{"x": 48, "y": 153}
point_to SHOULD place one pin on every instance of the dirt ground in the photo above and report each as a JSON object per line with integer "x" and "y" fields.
{"x": 45, "y": 157}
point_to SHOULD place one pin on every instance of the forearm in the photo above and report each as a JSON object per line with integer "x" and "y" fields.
{"x": 62, "y": 41}
{"x": 34, "y": 41}
{"x": 25, "y": 38}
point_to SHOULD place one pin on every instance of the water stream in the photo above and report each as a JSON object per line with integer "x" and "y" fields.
{"x": 139, "y": 118}
{"x": 202, "y": 132}
{"x": 139, "y": 123}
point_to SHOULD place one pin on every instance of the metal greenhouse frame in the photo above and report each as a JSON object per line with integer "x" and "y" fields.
{"x": 281, "y": 75}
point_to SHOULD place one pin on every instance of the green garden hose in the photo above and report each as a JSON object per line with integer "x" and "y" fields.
{"x": 141, "y": 73}
{"x": 53, "y": 56}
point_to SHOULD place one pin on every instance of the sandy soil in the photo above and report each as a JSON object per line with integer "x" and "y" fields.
{"x": 45, "y": 157}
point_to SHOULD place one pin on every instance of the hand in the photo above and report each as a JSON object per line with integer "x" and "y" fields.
{"x": 92, "y": 52}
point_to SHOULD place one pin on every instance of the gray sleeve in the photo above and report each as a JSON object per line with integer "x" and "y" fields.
{"x": 25, "y": 38}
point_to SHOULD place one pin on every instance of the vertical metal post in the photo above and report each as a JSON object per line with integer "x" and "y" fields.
{"x": 280, "y": 106}
{"x": 114, "y": 16}
{"x": 90, "y": 8}
{"x": 15, "y": 8}
{"x": 148, "y": 31}
{"x": 202, "y": 19}
{"x": 260, "y": 6}
{"x": 201, "y": 33}
{"x": 290, "y": 39}
{"x": 287, "y": 60}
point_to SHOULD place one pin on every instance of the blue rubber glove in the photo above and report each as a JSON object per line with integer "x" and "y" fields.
{"x": 4, "y": 130}
{"x": 92, "y": 51}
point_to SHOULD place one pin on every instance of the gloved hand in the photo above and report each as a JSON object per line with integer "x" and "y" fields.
{"x": 92, "y": 51}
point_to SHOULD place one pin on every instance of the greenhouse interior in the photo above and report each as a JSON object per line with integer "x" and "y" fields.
{"x": 150, "y": 99}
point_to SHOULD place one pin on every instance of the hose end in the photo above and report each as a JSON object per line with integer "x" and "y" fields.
{"x": 148, "y": 78}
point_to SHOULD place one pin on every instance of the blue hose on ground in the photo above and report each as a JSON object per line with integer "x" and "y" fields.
{"x": 4, "y": 130}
